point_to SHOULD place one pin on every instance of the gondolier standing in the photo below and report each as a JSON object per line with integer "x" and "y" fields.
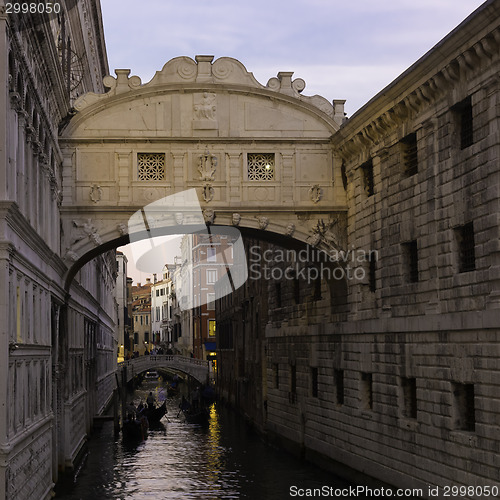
{"x": 150, "y": 400}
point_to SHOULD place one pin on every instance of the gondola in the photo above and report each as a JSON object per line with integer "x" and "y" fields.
{"x": 154, "y": 415}
{"x": 135, "y": 430}
{"x": 196, "y": 416}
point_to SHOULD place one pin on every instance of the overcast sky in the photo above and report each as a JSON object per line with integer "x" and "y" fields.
{"x": 342, "y": 49}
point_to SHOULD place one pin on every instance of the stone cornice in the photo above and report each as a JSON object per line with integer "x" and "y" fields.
{"x": 474, "y": 42}
{"x": 195, "y": 140}
{"x": 17, "y": 222}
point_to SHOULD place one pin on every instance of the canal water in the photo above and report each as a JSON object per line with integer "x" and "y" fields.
{"x": 222, "y": 460}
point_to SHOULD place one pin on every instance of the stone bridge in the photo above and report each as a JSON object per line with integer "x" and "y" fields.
{"x": 260, "y": 158}
{"x": 199, "y": 369}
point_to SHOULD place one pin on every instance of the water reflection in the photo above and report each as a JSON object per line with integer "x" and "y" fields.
{"x": 223, "y": 460}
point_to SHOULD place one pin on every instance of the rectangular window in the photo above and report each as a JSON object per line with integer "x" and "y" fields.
{"x": 276, "y": 376}
{"x": 409, "y": 154}
{"x": 293, "y": 384}
{"x": 409, "y": 386}
{"x": 339, "y": 386}
{"x": 211, "y": 254}
{"x": 410, "y": 256}
{"x": 372, "y": 270}
{"x": 260, "y": 166}
{"x": 150, "y": 166}
{"x": 366, "y": 391}
{"x": 463, "y": 406}
{"x": 317, "y": 288}
{"x": 314, "y": 382}
{"x": 157, "y": 292}
{"x": 162, "y": 291}
{"x": 463, "y": 113}
{"x": 210, "y": 301}
{"x": 211, "y": 327}
{"x": 368, "y": 180}
{"x": 466, "y": 247}
{"x": 211, "y": 276}
{"x": 296, "y": 290}
{"x": 277, "y": 289}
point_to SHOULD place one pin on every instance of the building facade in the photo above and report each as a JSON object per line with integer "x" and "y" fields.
{"x": 162, "y": 305}
{"x": 58, "y": 340}
{"x": 392, "y": 370}
{"x": 142, "y": 341}
{"x": 123, "y": 317}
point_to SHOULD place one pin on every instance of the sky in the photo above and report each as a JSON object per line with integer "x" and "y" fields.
{"x": 342, "y": 49}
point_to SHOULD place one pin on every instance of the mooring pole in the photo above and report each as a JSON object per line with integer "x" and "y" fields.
{"x": 124, "y": 393}
{"x": 116, "y": 419}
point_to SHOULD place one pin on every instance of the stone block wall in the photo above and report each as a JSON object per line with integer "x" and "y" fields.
{"x": 404, "y": 388}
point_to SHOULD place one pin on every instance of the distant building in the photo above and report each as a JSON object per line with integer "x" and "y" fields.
{"x": 162, "y": 294}
{"x": 211, "y": 257}
{"x": 141, "y": 317}
{"x": 121, "y": 295}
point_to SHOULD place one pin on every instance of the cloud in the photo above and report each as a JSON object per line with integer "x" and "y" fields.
{"x": 345, "y": 49}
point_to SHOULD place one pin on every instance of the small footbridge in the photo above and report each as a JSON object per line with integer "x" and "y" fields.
{"x": 199, "y": 369}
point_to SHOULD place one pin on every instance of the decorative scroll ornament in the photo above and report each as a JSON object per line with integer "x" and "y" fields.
{"x": 236, "y": 219}
{"x": 95, "y": 193}
{"x": 315, "y": 193}
{"x": 263, "y": 222}
{"x": 89, "y": 230}
{"x": 209, "y": 216}
{"x": 290, "y": 229}
{"x": 208, "y": 193}
{"x": 207, "y": 166}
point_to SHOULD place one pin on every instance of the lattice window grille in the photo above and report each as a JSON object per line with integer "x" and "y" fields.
{"x": 261, "y": 166}
{"x": 150, "y": 166}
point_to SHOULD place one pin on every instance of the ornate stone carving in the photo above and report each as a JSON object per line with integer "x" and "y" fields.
{"x": 71, "y": 256}
{"x": 89, "y": 230}
{"x": 207, "y": 166}
{"x": 204, "y": 112}
{"x": 208, "y": 192}
{"x": 263, "y": 222}
{"x": 209, "y": 216}
{"x": 122, "y": 229}
{"x": 315, "y": 193}
{"x": 179, "y": 218}
{"x": 150, "y": 166}
{"x": 260, "y": 166}
{"x": 290, "y": 229}
{"x": 236, "y": 219}
{"x": 323, "y": 233}
{"x": 95, "y": 193}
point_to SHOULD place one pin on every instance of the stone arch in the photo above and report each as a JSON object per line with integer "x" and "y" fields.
{"x": 96, "y": 244}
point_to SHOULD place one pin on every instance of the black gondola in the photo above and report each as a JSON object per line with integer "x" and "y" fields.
{"x": 196, "y": 416}
{"x": 135, "y": 430}
{"x": 154, "y": 415}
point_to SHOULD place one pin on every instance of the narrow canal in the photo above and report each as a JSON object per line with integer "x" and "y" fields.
{"x": 222, "y": 460}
